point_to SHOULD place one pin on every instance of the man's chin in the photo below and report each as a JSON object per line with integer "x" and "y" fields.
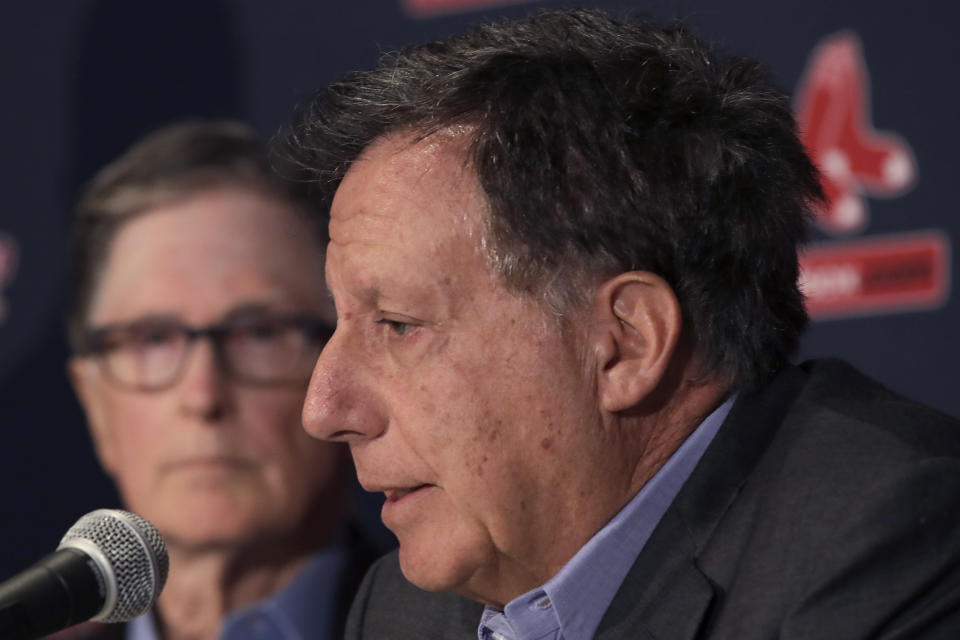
{"x": 435, "y": 569}
{"x": 203, "y": 537}
{"x": 211, "y": 529}
{"x": 444, "y": 550}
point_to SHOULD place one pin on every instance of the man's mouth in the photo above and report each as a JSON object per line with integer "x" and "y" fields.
{"x": 396, "y": 494}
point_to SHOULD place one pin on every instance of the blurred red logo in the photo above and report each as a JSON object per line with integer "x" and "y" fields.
{"x": 874, "y": 275}
{"x": 833, "y": 112}
{"x": 897, "y": 272}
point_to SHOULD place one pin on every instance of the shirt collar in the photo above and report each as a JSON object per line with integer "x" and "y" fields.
{"x": 577, "y": 597}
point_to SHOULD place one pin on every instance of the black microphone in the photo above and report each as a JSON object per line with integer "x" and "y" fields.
{"x": 109, "y": 567}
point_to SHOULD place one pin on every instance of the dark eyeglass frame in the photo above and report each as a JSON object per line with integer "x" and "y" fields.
{"x": 97, "y": 344}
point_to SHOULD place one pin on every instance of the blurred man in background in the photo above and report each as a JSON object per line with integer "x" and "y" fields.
{"x": 198, "y": 311}
{"x": 564, "y": 258}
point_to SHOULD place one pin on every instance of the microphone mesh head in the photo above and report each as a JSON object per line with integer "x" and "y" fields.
{"x": 136, "y": 553}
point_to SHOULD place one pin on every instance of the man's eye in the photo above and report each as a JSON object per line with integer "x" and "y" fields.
{"x": 262, "y": 331}
{"x": 396, "y": 326}
{"x": 154, "y": 337}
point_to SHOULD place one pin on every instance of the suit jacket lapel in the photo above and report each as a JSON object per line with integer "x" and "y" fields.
{"x": 667, "y": 594}
{"x": 664, "y": 595}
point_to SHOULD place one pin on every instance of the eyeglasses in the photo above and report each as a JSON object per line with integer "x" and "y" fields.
{"x": 149, "y": 355}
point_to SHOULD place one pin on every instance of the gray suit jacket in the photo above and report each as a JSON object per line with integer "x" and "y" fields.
{"x": 826, "y": 508}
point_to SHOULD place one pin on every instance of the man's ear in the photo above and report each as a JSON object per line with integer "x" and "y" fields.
{"x": 637, "y": 324}
{"x": 87, "y": 383}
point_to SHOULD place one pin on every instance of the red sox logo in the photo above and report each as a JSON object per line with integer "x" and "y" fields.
{"x": 868, "y": 275}
{"x": 833, "y": 113}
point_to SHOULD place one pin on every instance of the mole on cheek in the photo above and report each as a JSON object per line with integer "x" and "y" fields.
{"x": 493, "y": 432}
{"x": 481, "y": 465}
{"x": 428, "y": 407}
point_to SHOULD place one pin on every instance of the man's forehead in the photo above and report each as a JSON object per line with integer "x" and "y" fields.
{"x": 408, "y": 180}
{"x": 440, "y": 156}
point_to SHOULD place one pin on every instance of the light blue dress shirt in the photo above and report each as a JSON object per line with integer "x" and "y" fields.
{"x": 305, "y": 609}
{"x": 571, "y": 604}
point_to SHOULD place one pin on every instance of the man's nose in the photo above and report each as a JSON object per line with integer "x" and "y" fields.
{"x": 203, "y": 386}
{"x": 339, "y": 406}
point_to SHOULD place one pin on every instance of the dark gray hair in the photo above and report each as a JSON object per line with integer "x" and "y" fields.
{"x": 604, "y": 146}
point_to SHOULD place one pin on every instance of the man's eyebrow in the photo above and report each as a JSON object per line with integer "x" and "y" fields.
{"x": 147, "y": 319}
{"x": 249, "y": 309}
{"x": 370, "y": 295}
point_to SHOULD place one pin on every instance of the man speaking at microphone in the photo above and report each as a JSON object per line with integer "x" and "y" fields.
{"x": 198, "y": 312}
{"x": 564, "y": 259}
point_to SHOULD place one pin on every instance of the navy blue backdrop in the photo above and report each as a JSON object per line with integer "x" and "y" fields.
{"x": 875, "y": 86}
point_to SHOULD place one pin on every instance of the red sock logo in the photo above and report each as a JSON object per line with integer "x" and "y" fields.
{"x": 833, "y": 112}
